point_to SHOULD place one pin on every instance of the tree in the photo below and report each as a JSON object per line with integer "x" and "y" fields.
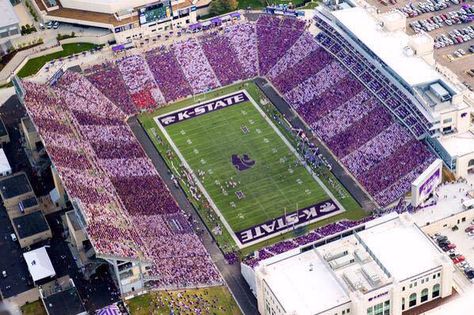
{"x": 218, "y": 7}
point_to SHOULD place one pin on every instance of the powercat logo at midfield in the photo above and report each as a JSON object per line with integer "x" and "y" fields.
{"x": 205, "y": 108}
{"x": 291, "y": 220}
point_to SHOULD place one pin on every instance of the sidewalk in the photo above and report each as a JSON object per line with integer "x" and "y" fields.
{"x": 25, "y": 297}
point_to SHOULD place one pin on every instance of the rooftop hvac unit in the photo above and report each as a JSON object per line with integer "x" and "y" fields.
{"x": 370, "y": 275}
{"x": 332, "y": 256}
{"x": 362, "y": 255}
{"x": 353, "y": 281}
{"x": 341, "y": 262}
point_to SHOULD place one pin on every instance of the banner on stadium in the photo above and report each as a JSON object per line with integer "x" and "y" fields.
{"x": 289, "y": 220}
{"x": 200, "y": 109}
{"x": 425, "y": 185}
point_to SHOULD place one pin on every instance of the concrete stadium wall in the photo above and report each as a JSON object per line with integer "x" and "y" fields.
{"x": 102, "y": 40}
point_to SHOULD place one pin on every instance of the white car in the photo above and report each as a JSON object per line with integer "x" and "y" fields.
{"x": 4, "y": 273}
{"x": 13, "y": 237}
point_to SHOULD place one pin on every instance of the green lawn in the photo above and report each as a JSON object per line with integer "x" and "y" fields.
{"x": 276, "y": 181}
{"x": 253, "y": 4}
{"x": 217, "y": 299}
{"x": 224, "y": 240}
{"x": 311, "y": 5}
{"x": 35, "y": 308}
{"x": 35, "y": 64}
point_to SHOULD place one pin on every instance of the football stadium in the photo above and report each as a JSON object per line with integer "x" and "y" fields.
{"x": 246, "y": 168}
{"x": 337, "y": 134}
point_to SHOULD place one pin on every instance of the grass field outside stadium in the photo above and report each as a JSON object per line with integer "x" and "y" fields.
{"x": 276, "y": 184}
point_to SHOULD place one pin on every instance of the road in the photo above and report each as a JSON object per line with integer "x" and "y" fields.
{"x": 231, "y": 273}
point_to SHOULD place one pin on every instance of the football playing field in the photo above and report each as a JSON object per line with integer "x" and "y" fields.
{"x": 245, "y": 168}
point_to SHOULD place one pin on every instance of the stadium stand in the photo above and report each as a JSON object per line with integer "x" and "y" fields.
{"x": 82, "y": 121}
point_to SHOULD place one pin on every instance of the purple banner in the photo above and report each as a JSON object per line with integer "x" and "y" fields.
{"x": 201, "y": 109}
{"x": 429, "y": 185}
{"x": 292, "y": 219}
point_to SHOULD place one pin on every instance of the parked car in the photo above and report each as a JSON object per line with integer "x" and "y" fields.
{"x": 469, "y": 229}
{"x": 458, "y": 259}
{"x": 4, "y": 273}
{"x": 469, "y": 273}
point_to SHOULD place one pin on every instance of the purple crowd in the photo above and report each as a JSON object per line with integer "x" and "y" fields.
{"x": 128, "y": 209}
{"x": 82, "y": 121}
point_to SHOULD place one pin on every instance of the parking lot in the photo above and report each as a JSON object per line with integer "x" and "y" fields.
{"x": 462, "y": 244}
{"x": 450, "y": 23}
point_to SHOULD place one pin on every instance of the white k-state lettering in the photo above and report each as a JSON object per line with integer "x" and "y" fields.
{"x": 200, "y": 110}
{"x": 239, "y": 98}
{"x": 183, "y": 115}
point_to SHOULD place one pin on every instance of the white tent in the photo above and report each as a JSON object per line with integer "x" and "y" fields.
{"x": 5, "y": 168}
{"x": 39, "y": 264}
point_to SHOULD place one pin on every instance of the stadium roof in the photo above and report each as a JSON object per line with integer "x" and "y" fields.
{"x": 9, "y": 16}
{"x": 39, "y": 264}
{"x": 402, "y": 248}
{"x": 304, "y": 284}
{"x": 458, "y": 145}
{"x": 388, "y": 46}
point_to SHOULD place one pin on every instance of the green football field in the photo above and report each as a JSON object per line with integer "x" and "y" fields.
{"x": 276, "y": 183}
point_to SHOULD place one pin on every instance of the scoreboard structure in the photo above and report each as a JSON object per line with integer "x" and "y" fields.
{"x": 156, "y": 12}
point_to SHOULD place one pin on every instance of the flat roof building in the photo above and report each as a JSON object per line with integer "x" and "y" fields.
{"x": 9, "y": 26}
{"x": 126, "y": 19}
{"x": 388, "y": 267}
{"x": 62, "y": 298}
{"x": 15, "y": 188}
{"x": 66, "y": 302}
{"x": 39, "y": 264}
{"x": 31, "y": 228}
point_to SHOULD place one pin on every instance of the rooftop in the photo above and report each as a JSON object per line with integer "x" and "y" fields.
{"x": 90, "y": 16}
{"x": 402, "y": 248}
{"x": 304, "y": 284}
{"x": 28, "y": 124}
{"x": 9, "y": 16}
{"x": 67, "y": 302}
{"x": 29, "y": 202}
{"x": 39, "y": 264}
{"x": 4, "y": 164}
{"x": 15, "y": 185}
{"x": 354, "y": 265}
{"x": 30, "y": 224}
{"x": 388, "y": 46}
{"x": 74, "y": 220}
{"x": 458, "y": 144}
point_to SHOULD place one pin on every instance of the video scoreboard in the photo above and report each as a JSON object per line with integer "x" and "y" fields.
{"x": 156, "y": 12}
